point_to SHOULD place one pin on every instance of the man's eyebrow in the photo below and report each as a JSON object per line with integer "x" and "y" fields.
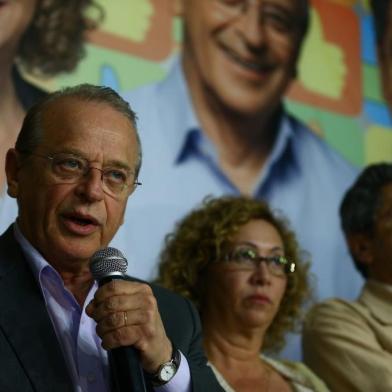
{"x": 71, "y": 151}
{"x": 81, "y": 154}
{"x": 116, "y": 163}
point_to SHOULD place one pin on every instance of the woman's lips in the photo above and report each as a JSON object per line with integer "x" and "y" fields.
{"x": 259, "y": 299}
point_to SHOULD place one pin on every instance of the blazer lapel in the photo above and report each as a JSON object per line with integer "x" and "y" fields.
{"x": 26, "y": 323}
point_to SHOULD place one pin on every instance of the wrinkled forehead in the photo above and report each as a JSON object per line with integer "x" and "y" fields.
{"x": 73, "y": 120}
{"x": 70, "y": 111}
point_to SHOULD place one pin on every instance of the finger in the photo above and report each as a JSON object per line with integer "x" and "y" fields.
{"x": 120, "y": 337}
{"x": 142, "y": 297}
{"x": 118, "y": 304}
{"x": 118, "y": 320}
{"x": 111, "y": 322}
{"x": 118, "y": 287}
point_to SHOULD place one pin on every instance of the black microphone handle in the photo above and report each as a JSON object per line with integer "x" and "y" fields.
{"x": 125, "y": 366}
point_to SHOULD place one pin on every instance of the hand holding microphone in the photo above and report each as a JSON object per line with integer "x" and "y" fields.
{"x": 127, "y": 315}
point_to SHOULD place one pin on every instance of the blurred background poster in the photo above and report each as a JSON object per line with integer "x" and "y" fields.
{"x": 337, "y": 91}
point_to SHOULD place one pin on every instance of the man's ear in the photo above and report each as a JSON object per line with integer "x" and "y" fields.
{"x": 178, "y": 7}
{"x": 361, "y": 248}
{"x": 11, "y": 170}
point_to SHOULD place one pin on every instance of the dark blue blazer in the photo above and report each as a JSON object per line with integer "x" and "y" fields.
{"x": 30, "y": 355}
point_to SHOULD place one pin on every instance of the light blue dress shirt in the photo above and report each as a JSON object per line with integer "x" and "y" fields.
{"x": 8, "y": 211}
{"x": 87, "y": 361}
{"x": 304, "y": 178}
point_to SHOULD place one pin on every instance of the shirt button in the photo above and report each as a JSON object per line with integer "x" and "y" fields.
{"x": 90, "y": 377}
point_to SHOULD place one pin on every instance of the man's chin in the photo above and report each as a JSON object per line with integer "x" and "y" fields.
{"x": 74, "y": 251}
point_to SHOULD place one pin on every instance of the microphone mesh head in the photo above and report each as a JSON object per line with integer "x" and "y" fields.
{"x": 107, "y": 261}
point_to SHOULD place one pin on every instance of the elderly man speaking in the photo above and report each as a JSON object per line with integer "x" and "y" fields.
{"x": 74, "y": 165}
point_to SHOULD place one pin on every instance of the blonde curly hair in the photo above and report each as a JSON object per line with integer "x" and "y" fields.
{"x": 203, "y": 237}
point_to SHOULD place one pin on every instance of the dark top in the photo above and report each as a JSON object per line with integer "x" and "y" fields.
{"x": 27, "y": 93}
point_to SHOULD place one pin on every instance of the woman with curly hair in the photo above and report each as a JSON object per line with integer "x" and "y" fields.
{"x": 44, "y": 37}
{"x": 241, "y": 266}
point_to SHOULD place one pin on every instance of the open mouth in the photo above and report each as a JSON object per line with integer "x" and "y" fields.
{"x": 80, "y": 224}
{"x": 81, "y": 221}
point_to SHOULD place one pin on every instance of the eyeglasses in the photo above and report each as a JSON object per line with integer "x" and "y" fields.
{"x": 71, "y": 168}
{"x": 246, "y": 258}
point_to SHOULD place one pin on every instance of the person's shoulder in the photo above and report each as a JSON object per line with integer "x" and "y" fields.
{"x": 9, "y": 247}
{"x": 173, "y": 305}
{"x": 169, "y": 302}
{"x": 299, "y": 374}
{"x": 146, "y": 95}
{"x": 28, "y": 93}
{"x": 160, "y": 95}
{"x": 329, "y": 305}
{"x": 332, "y": 311}
{"x": 314, "y": 152}
{"x": 152, "y": 107}
{"x": 311, "y": 143}
{"x": 141, "y": 91}
{"x": 167, "y": 295}
{"x": 141, "y": 97}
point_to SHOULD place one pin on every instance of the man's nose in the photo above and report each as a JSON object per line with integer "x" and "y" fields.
{"x": 252, "y": 28}
{"x": 91, "y": 186}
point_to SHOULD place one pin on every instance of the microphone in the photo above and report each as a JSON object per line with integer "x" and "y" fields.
{"x": 105, "y": 265}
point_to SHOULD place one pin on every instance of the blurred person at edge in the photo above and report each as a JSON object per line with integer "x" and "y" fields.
{"x": 43, "y": 38}
{"x": 241, "y": 266}
{"x": 349, "y": 343}
{"x": 74, "y": 166}
{"x": 382, "y": 19}
{"x": 217, "y": 126}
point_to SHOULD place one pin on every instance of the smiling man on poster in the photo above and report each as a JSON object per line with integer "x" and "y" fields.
{"x": 217, "y": 124}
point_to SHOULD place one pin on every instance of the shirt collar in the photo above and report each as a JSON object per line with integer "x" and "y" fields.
{"x": 282, "y": 150}
{"x": 184, "y": 135}
{"x": 283, "y": 138}
{"x": 34, "y": 259}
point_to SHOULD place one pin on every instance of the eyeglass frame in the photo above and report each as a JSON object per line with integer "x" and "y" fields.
{"x": 52, "y": 157}
{"x": 289, "y": 266}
